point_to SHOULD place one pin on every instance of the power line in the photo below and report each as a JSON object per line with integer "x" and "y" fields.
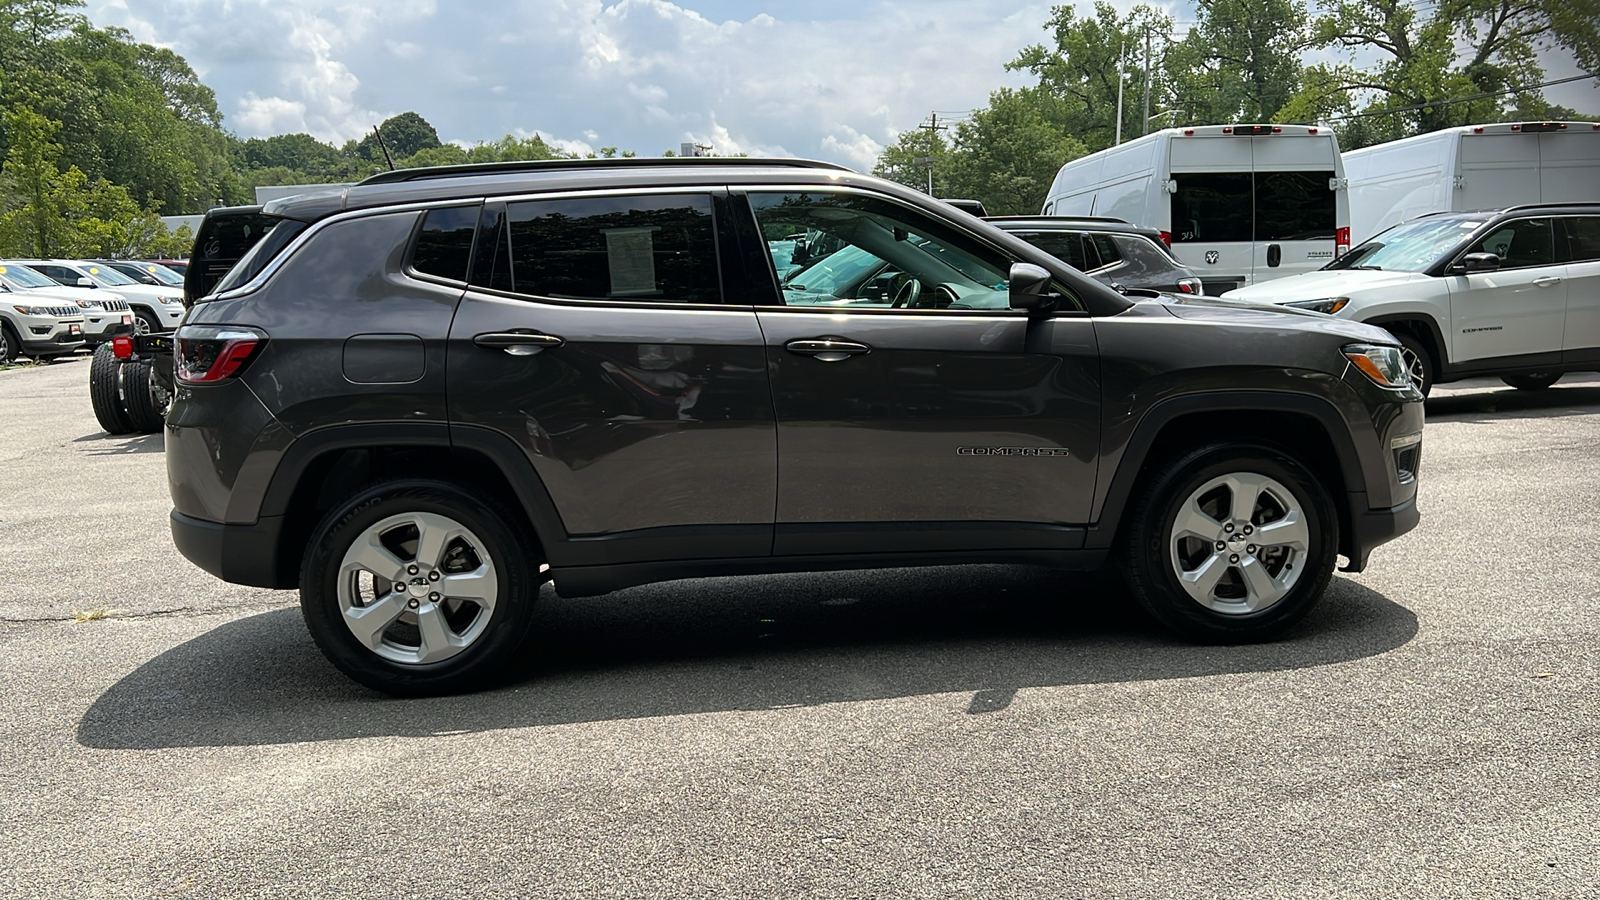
{"x": 1467, "y": 99}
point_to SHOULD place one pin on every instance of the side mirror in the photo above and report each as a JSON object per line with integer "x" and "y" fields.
{"x": 1028, "y": 284}
{"x": 85, "y": 282}
{"x": 1480, "y": 262}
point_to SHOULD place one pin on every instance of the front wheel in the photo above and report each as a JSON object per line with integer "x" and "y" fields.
{"x": 1231, "y": 543}
{"x": 418, "y": 587}
{"x": 1533, "y": 381}
{"x": 1419, "y": 361}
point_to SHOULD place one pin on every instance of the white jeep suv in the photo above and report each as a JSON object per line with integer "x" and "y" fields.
{"x": 1512, "y": 292}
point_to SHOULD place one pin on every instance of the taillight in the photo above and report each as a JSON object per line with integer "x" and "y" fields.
{"x": 122, "y": 347}
{"x": 1341, "y": 242}
{"x": 1190, "y": 286}
{"x": 1166, "y": 238}
{"x": 207, "y": 354}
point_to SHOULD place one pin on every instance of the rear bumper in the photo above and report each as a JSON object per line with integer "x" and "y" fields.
{"x": 1372, "y": 527}
{"x": 239, "y": 554}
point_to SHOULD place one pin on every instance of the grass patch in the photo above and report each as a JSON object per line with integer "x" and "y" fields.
{"x": 91, "y": 615}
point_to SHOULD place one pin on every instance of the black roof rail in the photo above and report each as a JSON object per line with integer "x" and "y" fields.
{"x": 427, "y": 173}
{"x": 1522, "y": 206}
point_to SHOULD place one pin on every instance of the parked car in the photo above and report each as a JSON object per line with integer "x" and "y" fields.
{"x": 42, "y": 329}
{"x": 179, "y": 266}
{"x": 1513, "y": 292}
{"x": 145, "y": 272}
{"x": 419, "y": 398}
{"x": 1109, "y": 250}
{"x": 105, "y": 314}
{"x": 155, "y": 309}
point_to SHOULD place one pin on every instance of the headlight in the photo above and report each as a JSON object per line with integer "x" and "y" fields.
{"x": 33, "y": 310}
{"x": 1386, "y": 366}
{"x": 1329, "y": 305}
{"x": 165, "y": 299}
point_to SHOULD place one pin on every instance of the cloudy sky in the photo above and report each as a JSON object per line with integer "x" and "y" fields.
{"x": 830, "y": 79}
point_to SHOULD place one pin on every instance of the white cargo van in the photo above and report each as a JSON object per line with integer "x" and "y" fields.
{"x": 1237, "y": 203}
{"x": 1471, "y": 167}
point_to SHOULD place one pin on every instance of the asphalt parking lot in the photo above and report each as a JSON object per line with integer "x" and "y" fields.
{"x": 1431, "y": 730}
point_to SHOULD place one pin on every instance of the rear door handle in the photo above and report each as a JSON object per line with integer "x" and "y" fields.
{"x": 827, "y": 349}
{"x": 1547, "y": 281}
{"x": 518, "y": 343}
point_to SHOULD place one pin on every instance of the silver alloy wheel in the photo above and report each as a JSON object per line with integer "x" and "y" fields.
{"x": 417, "y": 588}
{"x": 140, "y": 326}
{"x": 5, "y": 347}
{"x": 1239, "y": 543}
{"x": 1414, "y": 366}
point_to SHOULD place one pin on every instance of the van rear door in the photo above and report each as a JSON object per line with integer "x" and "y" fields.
{"x": 1298, "y": 209}
{"x": 226, "y": 234}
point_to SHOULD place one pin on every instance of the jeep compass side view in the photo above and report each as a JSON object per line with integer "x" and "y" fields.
{"x": 419, "y": 398}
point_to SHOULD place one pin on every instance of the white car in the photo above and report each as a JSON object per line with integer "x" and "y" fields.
{"x": 41, "y": 329}
{"x": 1512, "y": 292}
{"x": 105, "y": 314}
{"x": 155, "y": 309}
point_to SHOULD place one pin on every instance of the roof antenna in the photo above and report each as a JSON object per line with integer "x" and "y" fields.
{"x": 384, "y": 147}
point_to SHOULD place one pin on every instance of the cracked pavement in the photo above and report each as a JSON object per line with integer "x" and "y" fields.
{"x": 1430, "y": 731}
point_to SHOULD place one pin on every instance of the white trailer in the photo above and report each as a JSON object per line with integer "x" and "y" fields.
{"x": 1471, "y": 167}
{"x": 1238, "y": 204}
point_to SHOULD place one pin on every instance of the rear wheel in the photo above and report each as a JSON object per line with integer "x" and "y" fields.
{"x": 1420, "y": 361}
{"x": 420, "y": 587}
{"x": 144, "y": 398}
{"x": 1231, "y": 543}
{"x": 1532, "y": 381}
{"x": 105, "y": 391}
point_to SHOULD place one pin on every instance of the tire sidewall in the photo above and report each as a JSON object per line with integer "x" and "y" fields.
{"x": 1163, "y": 594}
{"x": 509, "y": 549}
{"x": 1429, "y": 366}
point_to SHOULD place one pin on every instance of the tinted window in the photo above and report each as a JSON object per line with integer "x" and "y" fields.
{"x": 1583, "y": 238}
{"x": 1063, "y": 245}
{"x": 1106, "y": 247}
{"x": 1519, "y": 244}
{"x": 1212, "y": 207}
{"x": 444, "y": 246}
{"x": 1295, "y": 206}
{"x": 250, "y": 265}
{"x": 652, "y": 247}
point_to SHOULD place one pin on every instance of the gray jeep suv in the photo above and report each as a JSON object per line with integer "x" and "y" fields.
{"x": 419, "y": 398}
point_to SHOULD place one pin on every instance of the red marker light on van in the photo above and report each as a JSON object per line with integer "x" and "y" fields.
{"x": 1341, "y": 242}
{"x": 1227, "y": 130}
{"x": 1478, "y": 130}
{"x": 1277, "y": 129}
{"x": 1311, "y": 131}
{"x": 1516, "y": 128}
{"x": 1190, "y": 131}
{"x": 1166, "y": 238}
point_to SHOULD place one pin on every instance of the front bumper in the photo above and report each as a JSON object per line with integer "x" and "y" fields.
{"x": 58, "y": 344}
{"x": 1373, "y": 527}
{"x": 98, "y": 329}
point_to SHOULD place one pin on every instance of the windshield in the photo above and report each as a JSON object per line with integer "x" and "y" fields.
{"x": 833, "y": 272}
{"x": 1411, "y": 246}
{"x": 108, "y": 276}
{"x": 24, "y": 277}
{"x": 160, "y": 273}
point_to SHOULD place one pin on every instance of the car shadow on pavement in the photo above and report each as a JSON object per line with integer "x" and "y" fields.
{"x": 722, "y": 645}
{"x": 1509, "y": 403}
{"x": 102, "y": 444}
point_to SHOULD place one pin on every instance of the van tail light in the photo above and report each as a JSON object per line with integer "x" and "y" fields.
{"x": 1341, "y": 242}
{"x": 122, "y": 347}
{"x": 207, "y": 354}
{"x": 1166, "y": 238}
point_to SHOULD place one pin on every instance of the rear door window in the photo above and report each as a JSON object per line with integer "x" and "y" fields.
{"x": 1295, "y": 206}
{"x": 1583, "y": 238}
{"x": 1213, "y": 207}
{"x": 657, "y": 248}
{"x": 1105, "y": 246}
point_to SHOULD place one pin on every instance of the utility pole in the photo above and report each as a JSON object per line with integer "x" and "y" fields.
{"x": 1144, "y": 126}
{"x": 933, "y": 127}
{"x": 1122, "y": 49}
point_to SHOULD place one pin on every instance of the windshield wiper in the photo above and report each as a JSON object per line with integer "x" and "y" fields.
{"x": 1370, "y": 268}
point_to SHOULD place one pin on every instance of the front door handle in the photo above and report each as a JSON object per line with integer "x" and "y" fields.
{"x": 518, "y": 343}
{"x": 1547, "y": 281}
{"x": 827, "y": 349}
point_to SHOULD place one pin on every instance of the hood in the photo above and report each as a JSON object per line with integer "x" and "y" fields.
{"x": 72, "y": 294}
{"x": 1323, "y": 284}
{"x": 131, "y": 291}
{"x": 1230, "y": 311}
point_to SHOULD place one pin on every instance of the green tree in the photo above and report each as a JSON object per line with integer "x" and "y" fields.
{"x": 1239, "y": 62}
{"x": 910, "y": 158}
{"x": 404, "y": 135}
{"x": 38, "y": 223}
{"x": 1008, "y": 153}
{"x": 1424, "y": 59}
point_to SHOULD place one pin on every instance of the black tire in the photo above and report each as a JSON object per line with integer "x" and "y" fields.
{"x": 511, "y": 551}
{"x": 10, "y": 344}
{"x": 1532, "y": 381}
{"x": 105, "y": 391}
{"x": 145, "y": 399}
{"x": 1151, "y": 570}
{"x": 1424, "y": 368}
{"x": 146, "y": 322}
